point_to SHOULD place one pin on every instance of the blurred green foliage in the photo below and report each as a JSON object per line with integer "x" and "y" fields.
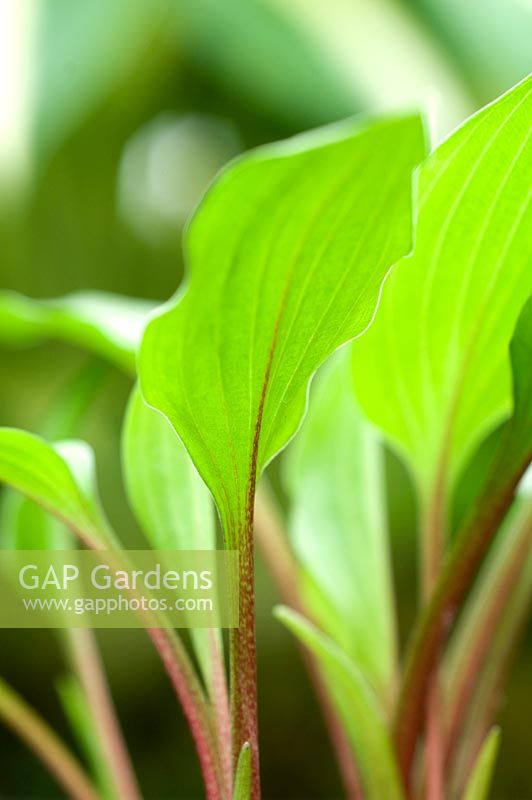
{"x": 80, "y": 83}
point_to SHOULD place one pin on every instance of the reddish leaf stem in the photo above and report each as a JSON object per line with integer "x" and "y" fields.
{"x": 89, "y": 667}
{"x": 181, "y": 674}
{"x": 244, "y": 714}
{"x": 485, "y": 630}
{"x": 219, "y": 695}
{"x": 436, "y": 622}
{"x": 189, "y": 695}
{"x": 433, "y": 535}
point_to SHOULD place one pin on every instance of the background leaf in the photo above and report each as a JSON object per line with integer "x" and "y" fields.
{"x": 334, "y": 474}
{"x": 357, "y": 707}
{"x": 433, "y": 372}
{"x": 107, "y": 325}
{"x": 80, "y": 60}
{"x": 287, "y": 254}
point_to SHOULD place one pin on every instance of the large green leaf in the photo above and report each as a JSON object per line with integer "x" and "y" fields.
{"x": 107, "y": 325}
{"x": 433, "y": 372}
{"x": 334, "y": 474}
{"x": 356, "y": 706}
{"x": 287, "y": 254}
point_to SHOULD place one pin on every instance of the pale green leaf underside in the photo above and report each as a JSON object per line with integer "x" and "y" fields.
{"x": 479, "y": 783}
{"x": 357, "y": 708}
{"x": 334, "y": 476}
{"x": 287, "y": 254}
{"x": 60, "y": 479}
{"x": 169, "y": 498}
{"x": 433, "y": 372}
{"x": 107, "y": 325}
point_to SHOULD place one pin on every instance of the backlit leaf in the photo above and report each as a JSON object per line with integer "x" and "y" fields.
{"x": 287, "y": 253}
{"x": 433, "y": 371}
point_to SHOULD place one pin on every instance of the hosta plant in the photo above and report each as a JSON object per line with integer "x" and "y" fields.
{"x": 420, "y": 266}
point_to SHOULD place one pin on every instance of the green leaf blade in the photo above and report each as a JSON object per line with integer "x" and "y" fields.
{"x": 287, "y": 254}
{"x": 433, "y": 371}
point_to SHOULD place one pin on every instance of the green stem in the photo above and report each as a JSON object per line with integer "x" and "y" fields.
{"x": 37, "y": 734}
